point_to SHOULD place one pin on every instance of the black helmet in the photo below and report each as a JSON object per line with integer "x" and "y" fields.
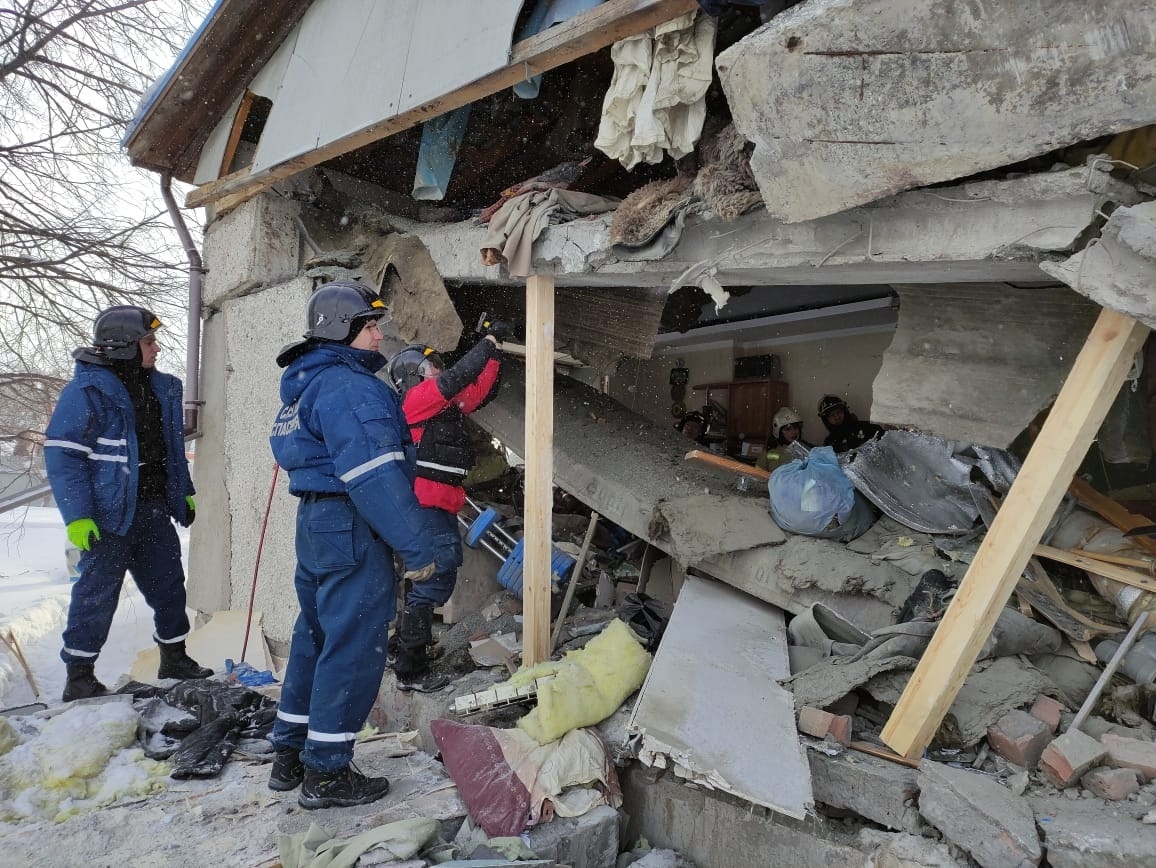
{"x": 117, "y": 332}
{"x": 410, "y": 366}
{"x": 829, "y": 403}
{"x": 335, "y": 307}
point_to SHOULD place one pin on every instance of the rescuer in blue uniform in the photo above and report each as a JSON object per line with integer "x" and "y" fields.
{"x": 342, "y": 438}
{"x": 115, "y": 456}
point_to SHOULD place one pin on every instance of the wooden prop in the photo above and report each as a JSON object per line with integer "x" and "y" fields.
{"x": 539, "y": 483}
{"x": 1077, "y": 414}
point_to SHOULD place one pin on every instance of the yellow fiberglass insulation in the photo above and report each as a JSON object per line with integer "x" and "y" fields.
{"x": 588, "y": 684}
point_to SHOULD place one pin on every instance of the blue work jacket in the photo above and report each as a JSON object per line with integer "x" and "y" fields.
{"x": 340, "y": 430}
{"x": 91, "y": 451}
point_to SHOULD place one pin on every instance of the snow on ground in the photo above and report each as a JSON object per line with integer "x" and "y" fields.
{"x": 233, "y": 819}
{"x": 34, "y": 593}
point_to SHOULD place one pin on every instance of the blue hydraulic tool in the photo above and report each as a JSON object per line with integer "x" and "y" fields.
{"x": 484, "y": 531}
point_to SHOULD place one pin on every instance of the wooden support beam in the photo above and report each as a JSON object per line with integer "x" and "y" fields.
{"x": 1071, "y": 425}
{"x": 584, "y": 34}
{"x": 539, "y": 455}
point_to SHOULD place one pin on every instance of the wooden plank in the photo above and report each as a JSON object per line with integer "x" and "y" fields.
{"x": 883, "y": 753}
{"x": 584, "y": 34}
{"x": 539, "y": 455}
{"x": 1112, "y": 512}
{"x": 1134, "y": 563}
{"x": 1123, "y": 575}
{"x": 701, "y": 456}
{"x": 239, "y": 120}
{"x": 1071, "y": 425}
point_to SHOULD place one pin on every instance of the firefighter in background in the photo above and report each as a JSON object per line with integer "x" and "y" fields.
{"x": 845, "y": 431}
{"x": 786, "y": 428}
{"x": 341, "y": 437}
{"x": 436, "y": 401}
{"x": 115, "y": 456}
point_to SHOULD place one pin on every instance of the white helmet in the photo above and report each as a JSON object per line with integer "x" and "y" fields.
{"x": 784, "y": 417}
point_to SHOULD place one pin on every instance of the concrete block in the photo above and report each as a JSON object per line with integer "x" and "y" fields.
{"x": 1115, "y": 785}
{"x": 256, "y": 243}
{"x": 1048, "y": 710}
{"x": 820, "y": 724}
{"x": 875, "y": 789}
{"x": 1069, "y": 756}
{"x": 588, "y": 841}
{"x": 1131, "y": 753}
{"x": 847, "y": 102}
{"x": 721, "y": 831}
{"x": 1082, "y": 833}
{"x": 979, "y": 815}
{"x": 1020, "y": 738}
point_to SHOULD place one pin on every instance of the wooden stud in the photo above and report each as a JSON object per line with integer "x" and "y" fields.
{"x": 1123, "y": 575}
{"x": 583, "y": 34}
{"x": 539, "y": 485}
{"x": 710, "y": 459}
{"x": 239, "y": 121}
{"x": 1083, "y": 402}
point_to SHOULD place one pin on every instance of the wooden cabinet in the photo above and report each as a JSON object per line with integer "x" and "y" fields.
{"x": 749, "y": 406}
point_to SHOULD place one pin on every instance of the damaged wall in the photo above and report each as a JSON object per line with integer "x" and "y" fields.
{"x": 848, "y": 101}
{"x": 977, "y": 362}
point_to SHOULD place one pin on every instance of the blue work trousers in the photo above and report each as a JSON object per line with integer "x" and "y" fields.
{"x": 446, "y": 541}
{"x": 152, "y": 553}
{"x": 345, "y": 586}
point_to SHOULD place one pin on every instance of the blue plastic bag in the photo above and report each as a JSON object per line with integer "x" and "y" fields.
{"x": 815, "y": 498}
{"x": 248, "y": 675}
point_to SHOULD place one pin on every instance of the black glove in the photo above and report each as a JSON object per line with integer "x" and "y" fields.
{"x": 500, "y": 330}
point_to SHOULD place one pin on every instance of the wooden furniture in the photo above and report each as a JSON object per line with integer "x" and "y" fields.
{"x": 750, "y": 404}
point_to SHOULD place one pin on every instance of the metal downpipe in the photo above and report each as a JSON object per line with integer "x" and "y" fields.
{"x": 193, "y": 402}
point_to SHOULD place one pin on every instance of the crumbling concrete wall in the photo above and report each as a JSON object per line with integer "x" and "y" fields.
{"x": 1118, "y": 270}
{"x": 977, "y": 362}
{"x": 848, "y": 101}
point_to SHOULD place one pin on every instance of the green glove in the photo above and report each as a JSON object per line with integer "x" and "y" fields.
{"x": 80, "y": 533}
{"x": 192, "y": 509}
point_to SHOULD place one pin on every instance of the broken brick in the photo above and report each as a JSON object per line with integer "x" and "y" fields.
{"x": 1069, "y": 756}
{"x": 1115, "y": 785}
{"x": 1019, "y": 738}
{"x": 818, "y": 723}
{"x": 1131, "y": 753}
{"x": 1048, "y": 710}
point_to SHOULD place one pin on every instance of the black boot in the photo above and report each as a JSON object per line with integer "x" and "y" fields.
{"x": 414, "y": 635}
{"x": 288, "y": 771}
{"x": 343, "y": 788}
{"x": 176, "y": 663}
{"x": 82, "y": 683}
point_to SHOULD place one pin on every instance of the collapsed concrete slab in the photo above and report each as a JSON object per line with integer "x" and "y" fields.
{"x": 1118, "y": 270}
{"x": 708, "y": 739}
{"x": 978, "y": 231}
{"x": 977, "y": 362}
{"x": 632, "y": 471}
{"x": 979, "y": 815}
{"x": 849, "y": 101}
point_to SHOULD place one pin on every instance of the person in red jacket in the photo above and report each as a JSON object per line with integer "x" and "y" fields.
{"x": 436, "y": 401}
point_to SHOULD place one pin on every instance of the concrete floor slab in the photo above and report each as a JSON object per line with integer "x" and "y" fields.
{"x": 715, "y": 673}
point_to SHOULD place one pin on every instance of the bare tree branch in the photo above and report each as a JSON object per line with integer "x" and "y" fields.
{"x": 79, "y": 228}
